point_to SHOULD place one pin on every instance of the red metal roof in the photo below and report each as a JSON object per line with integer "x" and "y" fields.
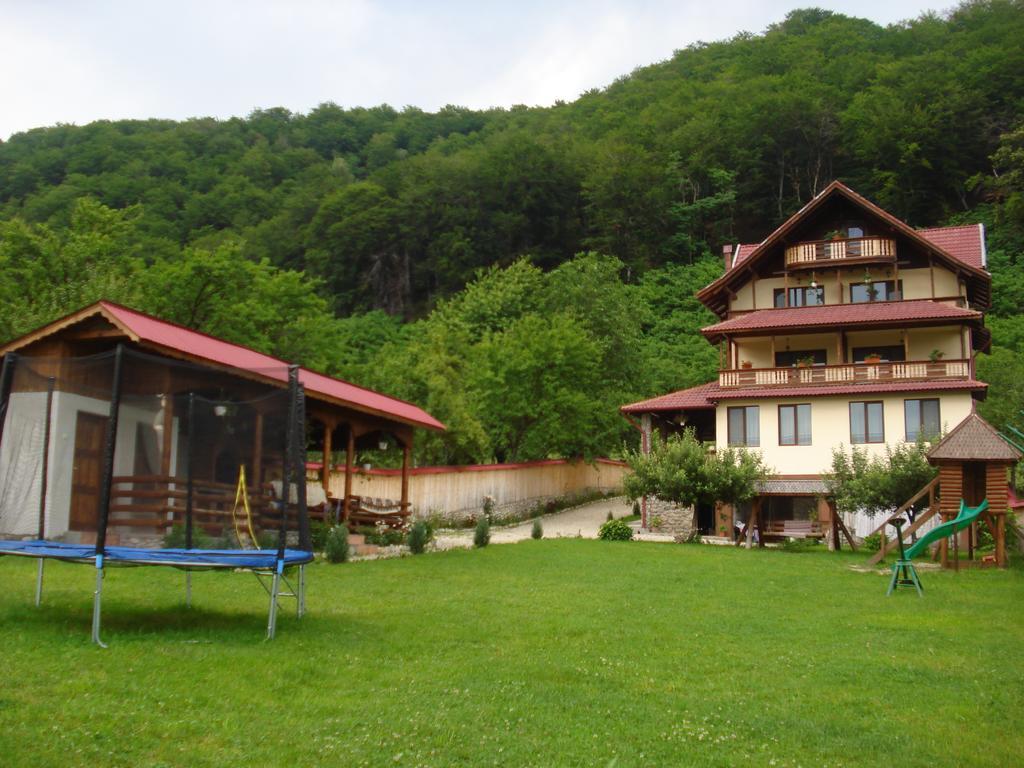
{"x": 739, "y": 393}
{"x": 966, "y": 243}
{"x": 150, "y": 330}
{"x": 832, "y": 315}
{"x": 694, "y": 397}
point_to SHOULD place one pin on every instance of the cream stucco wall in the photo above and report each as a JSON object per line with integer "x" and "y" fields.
{"x": 917, "y": 284}
{"x": 830, "y": 427}
{"x": 920, "y": 343}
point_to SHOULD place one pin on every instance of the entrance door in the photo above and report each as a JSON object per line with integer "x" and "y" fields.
{"x": 90, "y": 431}
{"x": 974, "y": 482}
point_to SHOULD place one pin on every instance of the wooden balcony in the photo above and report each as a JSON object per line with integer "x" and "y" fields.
{"x": 859, "y": 249}
{"x": 846, "y": 373}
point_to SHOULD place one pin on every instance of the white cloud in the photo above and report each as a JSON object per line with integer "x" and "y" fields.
{"x": 65, "y": 61}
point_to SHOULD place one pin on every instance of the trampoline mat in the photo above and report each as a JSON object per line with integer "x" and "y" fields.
{"x": 180, "y": 558}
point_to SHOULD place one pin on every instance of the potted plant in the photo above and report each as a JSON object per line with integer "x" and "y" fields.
{"x": 935, "y": 355}
{"x": 805, "y": 362}
{"x": 746, "y": 364}
{"x": 872, "y": 358}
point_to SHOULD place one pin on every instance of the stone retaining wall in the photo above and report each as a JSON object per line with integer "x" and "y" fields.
{"x": 669, "y": 518}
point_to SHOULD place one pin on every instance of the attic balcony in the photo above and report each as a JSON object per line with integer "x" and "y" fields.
{"x": 818, "y": 254}
{"x": 845, "y": 373}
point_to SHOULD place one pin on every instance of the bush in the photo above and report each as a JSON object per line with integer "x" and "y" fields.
{"x": 636, "y": 508}
{"x": 336, "y": 544}
{"x": 537, "y": 532}
{"x": 418, "y": 537}
{"x": 610, "y": 516}
{"x": 872, "y": 543}
{"x": 482, "y": 534}
{"x": 615, "y": 530}
{"x": 175, "y": 538}
{"x": 318, "y": 534}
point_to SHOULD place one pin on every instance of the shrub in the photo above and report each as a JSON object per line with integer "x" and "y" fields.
{"x": 419, "y": 535}
{"x": 175, "y": 538}
{"x": 636, "y": 508}
{"x": 482, "y": 534}
{"x": 336, "y": 544}
{"x": 872, "y": 543}
{"x": 615, "y": 530}
{"x": 318, "y": 534}
{"x": 537, "y": 532}
{"x": 610, "y": 516}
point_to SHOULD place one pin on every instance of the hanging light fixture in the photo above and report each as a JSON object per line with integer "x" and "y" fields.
{"x": 814, "y": 282}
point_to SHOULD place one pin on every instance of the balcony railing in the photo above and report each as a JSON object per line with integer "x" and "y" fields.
{"x": 845, "y": 248}
{"x": 846, "y": 373}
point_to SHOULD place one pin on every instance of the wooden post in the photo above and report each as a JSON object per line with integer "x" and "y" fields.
{"x": 350, "y": 454}
{"x": 325, "y": 471}
{"x": 1001, "y": 539}
{"x": 406, "y": 452}
{"x": 168, "y": 436}
{"x": 257, "y": 451}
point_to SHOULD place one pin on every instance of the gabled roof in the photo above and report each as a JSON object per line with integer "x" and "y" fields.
{"x": 833, "y": 315}
{"x": 933, "y": 243}
{"x": 681, "y": 400}
{"x": 178, "y": 341}
{"x": 742, "y": 253}
{"x": 973, "y": 439}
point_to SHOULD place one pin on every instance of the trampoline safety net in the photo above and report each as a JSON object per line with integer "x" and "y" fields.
{"x": 130, "y": 449}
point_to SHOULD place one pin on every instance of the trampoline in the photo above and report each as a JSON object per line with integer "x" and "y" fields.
{"x": 123, "y": 458}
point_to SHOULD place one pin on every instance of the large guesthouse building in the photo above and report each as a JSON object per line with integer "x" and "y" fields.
{"x": 845, "y": 326}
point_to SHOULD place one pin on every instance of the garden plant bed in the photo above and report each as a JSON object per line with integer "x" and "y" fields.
{"x": 552, "y": 652}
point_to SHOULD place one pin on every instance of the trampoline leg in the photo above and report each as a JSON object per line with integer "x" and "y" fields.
{"x": 300, "y": 599}
{"x": 96, "y": 601}
{"x": 272, "y": 617}
{"x": 39, "y": 583}
{"x": 188, "y": 589}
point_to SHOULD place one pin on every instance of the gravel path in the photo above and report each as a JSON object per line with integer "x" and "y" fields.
{"x": 582, "y": 521}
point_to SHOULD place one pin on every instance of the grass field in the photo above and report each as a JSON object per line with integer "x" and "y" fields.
{"x": 545, "y": 653}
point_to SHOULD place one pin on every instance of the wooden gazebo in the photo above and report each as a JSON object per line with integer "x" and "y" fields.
{"x": 974, "y": 461}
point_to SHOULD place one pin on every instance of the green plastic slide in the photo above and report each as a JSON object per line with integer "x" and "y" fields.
{"x": 967, "y": 516}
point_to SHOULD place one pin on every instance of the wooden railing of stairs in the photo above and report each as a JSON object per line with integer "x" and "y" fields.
{"x": 921, "y": 519}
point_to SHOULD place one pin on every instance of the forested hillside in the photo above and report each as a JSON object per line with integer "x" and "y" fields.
{"x": 345, "y": 238}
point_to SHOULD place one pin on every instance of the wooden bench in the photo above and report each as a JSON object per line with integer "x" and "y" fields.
{"x": 794, "y": 529}
{"x": 366, "y": 511}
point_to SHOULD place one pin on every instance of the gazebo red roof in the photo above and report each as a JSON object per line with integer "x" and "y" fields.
{"x": 165, "y": 336}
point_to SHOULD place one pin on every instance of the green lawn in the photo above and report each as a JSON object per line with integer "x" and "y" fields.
{"x": 542, "y": 653}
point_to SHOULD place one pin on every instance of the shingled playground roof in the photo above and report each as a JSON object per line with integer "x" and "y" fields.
{"x": 973, "y": 439}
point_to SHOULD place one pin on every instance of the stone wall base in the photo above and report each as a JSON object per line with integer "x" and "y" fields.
{"x": 669, "y": 518}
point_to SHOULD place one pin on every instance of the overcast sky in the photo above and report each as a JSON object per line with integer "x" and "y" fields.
{"x": 72, "y": 61}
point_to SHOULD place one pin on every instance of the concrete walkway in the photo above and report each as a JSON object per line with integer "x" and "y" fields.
{"x": 582, "y": 521}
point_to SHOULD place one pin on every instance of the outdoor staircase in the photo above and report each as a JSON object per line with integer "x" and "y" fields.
{"x": 359, "y": 547}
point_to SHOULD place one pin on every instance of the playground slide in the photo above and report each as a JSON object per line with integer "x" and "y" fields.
{"x": 967, "y": 516}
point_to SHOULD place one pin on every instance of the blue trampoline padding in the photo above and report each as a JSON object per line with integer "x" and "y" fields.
{"x": 265, "y": 559}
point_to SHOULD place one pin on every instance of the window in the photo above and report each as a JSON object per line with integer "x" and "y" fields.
{"x": 878, "y": 290}
{"x": 744, "y": 426}
{"x": 795, "y": 424}
{"x": 789, "y": 358}
{"x": 889, "y": 354}
{"x": 922, "y": 418}
{"x": 800, "y": 297}
{"x": 867, "y": 424}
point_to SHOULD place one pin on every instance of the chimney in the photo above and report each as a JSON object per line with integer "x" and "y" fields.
{"x": 727, "y": 255}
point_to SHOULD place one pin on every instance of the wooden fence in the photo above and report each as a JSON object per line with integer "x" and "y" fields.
{"x": 459, "y": 491}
